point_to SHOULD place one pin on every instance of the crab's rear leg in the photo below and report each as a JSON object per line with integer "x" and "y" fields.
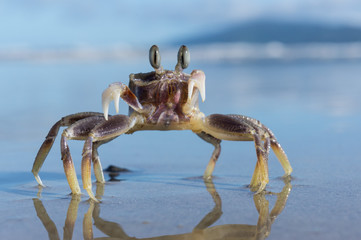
{"x": 282, "y": 157}
{"x": 105, "y": 131}
{"x": 50, "y": 138}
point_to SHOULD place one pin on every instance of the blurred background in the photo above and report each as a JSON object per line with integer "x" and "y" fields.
{"x": 45, "y": 30}
{"x": 294, "y": 65}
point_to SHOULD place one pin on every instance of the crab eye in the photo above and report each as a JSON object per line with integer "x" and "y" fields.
{"x": 184, "y": 57}
{"x": 154, "y": 57}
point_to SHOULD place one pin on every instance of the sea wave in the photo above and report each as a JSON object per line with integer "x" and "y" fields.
{"x": 215, "y": 52}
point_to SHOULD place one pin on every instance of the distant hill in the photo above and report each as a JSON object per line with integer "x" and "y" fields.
{"x": 284, "y": 32}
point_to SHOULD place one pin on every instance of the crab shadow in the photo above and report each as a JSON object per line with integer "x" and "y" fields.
{"x": 202, "y": 230}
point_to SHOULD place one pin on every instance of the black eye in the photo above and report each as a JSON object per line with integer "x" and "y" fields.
{"x": 184, "y": 57}
{"x": 154, "y": 57}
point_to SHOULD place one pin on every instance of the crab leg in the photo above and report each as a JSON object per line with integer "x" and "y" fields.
{"x": 50, "y": 138}
{"x": 282, "y": 157}
{"x": 69, "y": 167}
{"x": 44, "y": 151}
{"x": 118, "y": 90}
{"x": 79, "y": 130}
{"x": 218, "y": 127}
{"x": 241, "y": 128}
{"x": 216, "y": 152}
{"x": 98, "y": 170}
{"x": 86, "y": 167}
{"x": 105, "y": 131}
{"x": 260, "y": 175}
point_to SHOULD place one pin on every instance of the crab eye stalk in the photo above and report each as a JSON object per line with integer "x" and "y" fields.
{"x": 184, "y": 57}
{"x": 154, "y": 57}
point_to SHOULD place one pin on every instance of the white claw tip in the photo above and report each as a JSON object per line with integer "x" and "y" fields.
{"x": 198, "y": 80}
{"x": 113, "y": 92}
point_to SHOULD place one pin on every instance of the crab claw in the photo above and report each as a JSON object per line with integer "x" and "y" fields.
{"x": 198, "y": 80}
{"x": 113, "y": 92}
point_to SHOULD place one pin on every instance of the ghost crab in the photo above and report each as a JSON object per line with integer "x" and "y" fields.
{"x": 158, "y": 100}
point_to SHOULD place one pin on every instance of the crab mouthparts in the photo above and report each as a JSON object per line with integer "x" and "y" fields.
{"x": 197, "y": 80}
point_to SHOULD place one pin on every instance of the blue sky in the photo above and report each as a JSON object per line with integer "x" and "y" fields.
{"x": 47, "y": 23}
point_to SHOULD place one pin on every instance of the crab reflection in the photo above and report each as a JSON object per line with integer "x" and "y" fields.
{"x": 201, "y": 231}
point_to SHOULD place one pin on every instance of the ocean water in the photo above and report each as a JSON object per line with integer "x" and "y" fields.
{"x": 313, "y": 107}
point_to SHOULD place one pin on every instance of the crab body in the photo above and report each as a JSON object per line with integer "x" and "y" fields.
{"x": 158, "y": 100}
{"x": 164, "y": 96}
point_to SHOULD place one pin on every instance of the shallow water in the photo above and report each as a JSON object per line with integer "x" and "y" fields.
{"x": 312, "y": 107}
